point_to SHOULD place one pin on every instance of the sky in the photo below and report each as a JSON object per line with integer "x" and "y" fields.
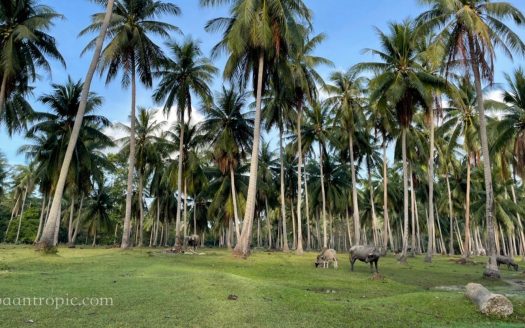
{"x": 348, "y": 24}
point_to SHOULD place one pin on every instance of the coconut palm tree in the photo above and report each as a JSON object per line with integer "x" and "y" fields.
{"x": 132, "y": 51}
{"x": 462, "y": 121}
{"x": 256, "y": 35}
{"x": 316, "y": 130}
{"x": 187, "y": 72}
{"x": 147, "y": 140}
{"x": 25, "y": 44}
{"x": 97, "y": 214}
{"x": 302, "y": 67}
{"x": 346, "y": 95}
{"x": 232, "y": 134}
{"x": 402, "y": 82}
{"x": 472, "y": 30}
{"x": 47, "y": 241}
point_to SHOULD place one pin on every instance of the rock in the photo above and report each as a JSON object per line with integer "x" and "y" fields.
{"x": 487, "y": 302}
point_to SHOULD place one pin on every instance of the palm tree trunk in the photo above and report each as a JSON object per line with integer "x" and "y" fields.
{"x": 41, "y": 219}
{"x": 323, "y": 197}
{"x": 194, "y": 216}
{"x": 268, "y": 222}
{"x": 79, "y": 216}
{"x": 386, "y": 219}
{"x": 126, "y": 234}
{"x": 431, "y": 228}
{"x": 70, "y": 224}
{"x": 178, "y": 240}
{"x": 47, "y": 240}
{"x": 234, "y": 198}
{"x": 294, "y": 243}
{"x": 307, "y": 211}
{"x": 141, "y": 208}
{"x": 14, "y": 213}
{"x": 491, "y": 269}
{"x": 243, "y": 244}
{"x": 3, "y": 91}
{"x": 451, "y": 215}
{"x": 156, "y": 236}
{"x": 403, "y": 257}
{"x": 94, "y": 238}
{"x": 355, "y": 206}
{"x": 520, "y": 224}
{"x": 284, "y": 235}
{"x": 185, "y": 217}
{"x": 413, "y": 210}
{"x": 299, "y": 249}
{"x": 466, "y": 244}
{"x": 21, "y": 215}
{"x": 372, "y": 205}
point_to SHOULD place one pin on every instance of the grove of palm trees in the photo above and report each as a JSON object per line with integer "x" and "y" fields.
{"x": 194, "y": 180}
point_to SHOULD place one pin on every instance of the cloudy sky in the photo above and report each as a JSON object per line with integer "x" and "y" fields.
{"x": 349, "y": 25}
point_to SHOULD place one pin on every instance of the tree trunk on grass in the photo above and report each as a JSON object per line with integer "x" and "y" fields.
{"x": 284, "y": 234}
{"x": 243, "y": 244}
{"x": 491, "y": 270}
{"x": 235, "y": 208}
{"x": 431, "y": 228}
{"x": 323, "y": 196}
{"x": 355, "y": 205}
{"x": 21, "y": 215}
{"x": 487, "y": 302}
{"x": 403, "y": 257}
{"x": 299, "y": 249}
{"x": 47, "y": 240}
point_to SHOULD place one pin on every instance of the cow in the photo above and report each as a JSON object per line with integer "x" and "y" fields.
{"x": 508, "y": 261}
{"x": 193, "y": 241}
{"x": 325, "y": 257}
{"x": 367, "y": 254}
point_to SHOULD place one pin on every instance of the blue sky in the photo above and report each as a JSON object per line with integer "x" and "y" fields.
{"x": 349, "y": 25}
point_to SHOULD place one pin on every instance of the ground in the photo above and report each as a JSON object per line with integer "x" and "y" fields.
{"x": 153, "y": 289}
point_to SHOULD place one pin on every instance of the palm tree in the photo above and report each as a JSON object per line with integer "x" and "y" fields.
{"x": 404, "y": 83}
{"x": 256, "y": 36}
{"x": 147, "y": 136}
{"x": 46, "y": 242}
{"x": 187, "y": 73}
{"x": 511, "y": 128}
{"x": 131, "y": 50}
{"x": 471, "y": 30}
{"x": 346, "y": 96}
{"x": 302, "y": 67}
{"x": 98, "y": 208}
{"x": 25, "y": 44}
{"x": 462, "y": 120}
{"x": 232, "y": 132}
{"x": 317, "y": 130}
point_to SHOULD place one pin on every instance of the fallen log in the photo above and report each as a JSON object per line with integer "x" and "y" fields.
{"x": 487, "y": 302}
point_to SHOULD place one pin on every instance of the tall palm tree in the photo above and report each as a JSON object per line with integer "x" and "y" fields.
{"x": 404, "y": 83}
{"x": 302, "y": 66}
{"x": 24, "y": 44}
{"x": 131, "y": 50}
{"x": 147, "y": 136}
{"x": 256, "y": 35}
{"x": 46, "y": 241}
{"x": 187, "y": 73}
{"x": 471, "y": 30}
{"x": 317, "y": 130}
{"x": 232, "y": 134}
{"x": 346, "y": 95}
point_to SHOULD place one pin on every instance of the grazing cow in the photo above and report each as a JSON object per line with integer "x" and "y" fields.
{"x": 367, "y": 254}
{"x": 325, "y": 257}
{"x": 508, "y": 261}
{"x": 193, "y": 241}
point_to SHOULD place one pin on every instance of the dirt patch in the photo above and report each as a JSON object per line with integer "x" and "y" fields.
{"x": 322, "y": 290}
{"x": 454, "y": 288}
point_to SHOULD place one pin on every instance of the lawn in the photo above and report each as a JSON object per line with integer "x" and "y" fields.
{"x": 152, "y": 289}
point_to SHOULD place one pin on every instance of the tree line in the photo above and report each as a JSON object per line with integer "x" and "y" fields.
{"x": 454, "y": 183}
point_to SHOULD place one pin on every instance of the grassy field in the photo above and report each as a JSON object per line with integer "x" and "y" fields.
{"x": 152, "y": 289}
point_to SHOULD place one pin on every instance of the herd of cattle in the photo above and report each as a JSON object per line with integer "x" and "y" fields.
{"x": 371, "y": 254}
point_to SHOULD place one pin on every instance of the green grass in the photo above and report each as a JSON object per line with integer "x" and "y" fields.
{"x": 151, "y": 289}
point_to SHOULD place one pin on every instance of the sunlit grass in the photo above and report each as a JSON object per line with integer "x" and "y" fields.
{"x": 151, "y": 289}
